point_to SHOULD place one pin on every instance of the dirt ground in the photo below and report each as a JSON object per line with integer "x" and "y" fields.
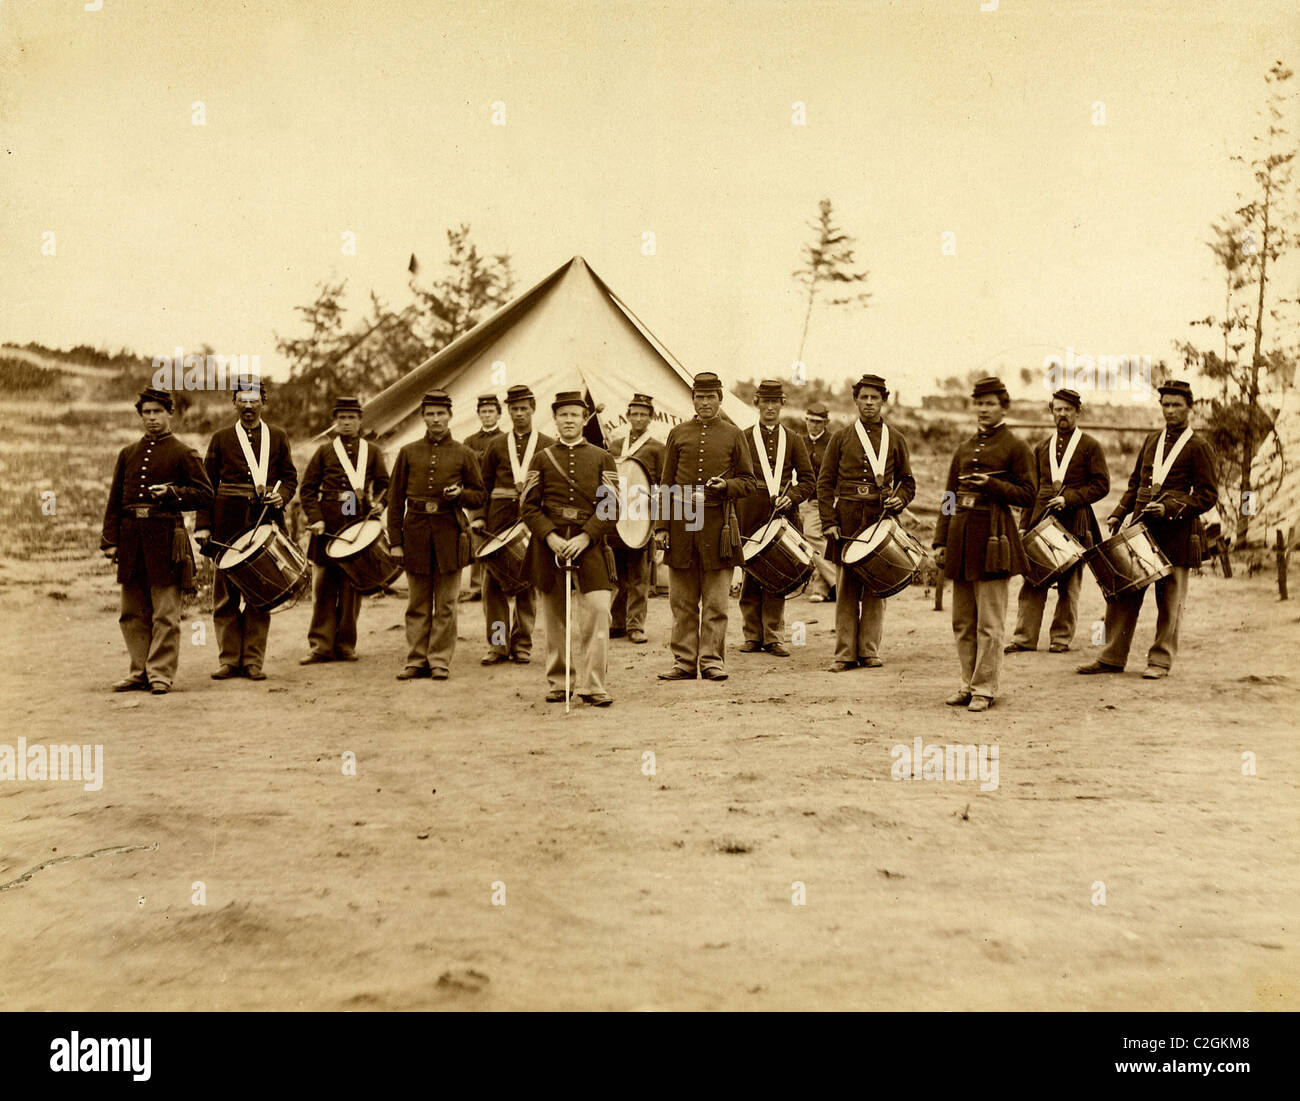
{"x": 675, "y": 890}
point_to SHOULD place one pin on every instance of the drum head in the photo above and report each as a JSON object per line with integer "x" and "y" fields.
{"x": 498, "y": 541}
{"x": 244, "y": 547}
{"x": 860, "y": 548}
{"x": 353, "y": 540}
{"x": 761, "y": 539}
{"x": 634, "y": 512}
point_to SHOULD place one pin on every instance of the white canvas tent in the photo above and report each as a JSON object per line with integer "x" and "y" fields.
{"x": 568, "y": 332}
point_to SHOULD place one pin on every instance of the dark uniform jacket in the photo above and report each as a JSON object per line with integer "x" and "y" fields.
{"x": 429, "y": 527}
{"x": 753, "y": 511}
{"x": 327, "y": 494}
{"x": 235, "y": 508}
{"x": 503, "y": 510}
{"x": 1189, "y": 490}
{"x": 152, "y": 544}
{"x": 817, "y": 448}
{"x": 847, "y": 494}
{"x": 695, "y": 453}
{"x": 1086, "y": 481}
{"x": 968, "y": 518}
{"x": 478, "y": 442}
{"x": 571, "y": 489}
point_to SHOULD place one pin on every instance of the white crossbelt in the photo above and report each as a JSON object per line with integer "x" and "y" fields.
{"x": 519, "y": 467}
{"x": 356, "y": 474}
{"x": 629, "y": 447}
{"x": 258, "y": 468}
{"x": 770, "y": 476}
{"x": 877, "y": 461}
{"x": 1058, "y": 470}
{"x": 1160, "y": 466}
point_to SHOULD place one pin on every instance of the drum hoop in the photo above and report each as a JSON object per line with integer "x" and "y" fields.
{"x": 355, "y": 544}
{"x": 250, "y": 549}
{"x": 770, "y": 532}
{"x": 502, "y": 539}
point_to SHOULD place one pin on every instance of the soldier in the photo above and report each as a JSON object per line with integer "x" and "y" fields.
{"x": 1072, "y": 475}
{"x": 786, "y": 479}
{"x": 632, "y": 565}
{"x": 979, "y": 546}
{"x": 817, "y": 438}
{"x": 706, "y": 469}
{"x": 505, "y": 467}
{"x": 345, "y": 482}
{"x": 433, "y": 479}
{"x": 155, "y": 481}
{"x": 251, "y": 470}
{"x": 489, "y": 414}
{"x": 570, "y": 504}
{"x": 1172, "y": 484}
{"x": 865, "y": 474}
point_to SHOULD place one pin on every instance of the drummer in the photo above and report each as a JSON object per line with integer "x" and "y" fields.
{"x": 1072, "y": 476}
{"x": 253, "y": 476}
{"x": 1172, "y": 484}
{"x": 786, "y": 478}
{"x": 566, "y": 504}
{"x": 816, "y": 438}
{"x": 505, "y": 467}
{"x": 345, "y": 482}
{"x": 866, "y": 473}
{"x": 979, "y": 546}
{"x": 489, "y": 415}
{"x": 155, "y": 481}
{"x": 632, "y": 564}
{"x": 434, "y": 477}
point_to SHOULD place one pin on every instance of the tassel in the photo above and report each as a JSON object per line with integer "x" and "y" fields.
{"x": 991, "y": 555}
{"x": 1004, "y": 554}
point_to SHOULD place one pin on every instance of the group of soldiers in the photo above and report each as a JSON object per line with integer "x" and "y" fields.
{"x": 444, "y": 498}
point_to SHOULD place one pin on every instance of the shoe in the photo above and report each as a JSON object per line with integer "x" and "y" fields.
{"x": 714, "y": 672}
{"x": 254, "y": 672}
{"x": 637, "y": 636}
{"x": 777, "y": 650}
{"x": 1098, "y": 667}
{"x": 225, "y": 672}
{"x": 1057, "y": 648}
{"x": 346, "y": 655}
{"x": 750, "y": 647}
{"x": 839, "y": 667}
{"x": 678, "y": 673}
{"x": 131, "y": 684}
{"x": 413, "y": 672}
{"x": 314, "y": 659}
{"x": 870, "y": 663}
{"x": 979, "y": 703}
{"x": 1154, "y": 672}
{"x": 830, "y": 596}
{"x": 521, "y": 659}
{"x": 1016, "y": 648}
{"x": 158, "y": 688}
{"x": 816, "y": 598}
{"x": 599, "y": 699}
{"x": 492, "y": 657}
{"x": 465, "y": 598}
{"x": 555, "y": 695}
{"x": 617, "y": 632}
{"x": 438, "y": 674}
{"x": 958, "y": 699}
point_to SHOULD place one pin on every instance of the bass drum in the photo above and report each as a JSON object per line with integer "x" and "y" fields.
{"x": 885, "y": 561}
{"x": 779, "y": 558}
{"x": 361, "y": 552}
{"x": 1127, "y": 562}
{"x": 635, "y": 515}
{"x": 265, "y": 565}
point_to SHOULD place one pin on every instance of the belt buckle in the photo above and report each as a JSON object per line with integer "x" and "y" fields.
{"x": 430, "y": 507}
{"x": 569, "y": 513}
{"x": 967, "y": 500}
{"x": 141, "y": 512}
{"x": 346, "y": 495}
{"x": 864, "y": 491}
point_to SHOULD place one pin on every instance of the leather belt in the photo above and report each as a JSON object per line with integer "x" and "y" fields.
{"x": 429, "y": 505}
{"x": 572, "y": 515}
{"x": 502, "y": 494}
{"x": 144, "y": 512}
{"x": 236, "y": 490}
{"x": 858, "y": 490}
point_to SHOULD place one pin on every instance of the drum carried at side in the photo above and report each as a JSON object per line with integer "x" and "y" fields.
{"x": 505, "y": 557}
{"x": 361, "y": 551}
{"x": 778, "y": 557}
{"x": 1128, "y": 561}
{"x": 265, "y": 565}
{"x": 886, "y": 560}
{"x": 635, "y": 517}
{"x": 1050, "y": 552}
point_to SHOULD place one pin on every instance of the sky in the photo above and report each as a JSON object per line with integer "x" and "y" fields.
{"x": 622, "y": 119}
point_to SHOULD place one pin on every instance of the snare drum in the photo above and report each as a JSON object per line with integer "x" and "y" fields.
{"x": 779, "y": 558}
{"x": 887, "y": 560}
{"x": 265, "y": 565}
{"x": 1050, "y": 552}
{"x": 506, "y": 558}
{"x": 634, "y": 518}
{"x": 361, "y": 551}
{"x": 1127, "y": 562}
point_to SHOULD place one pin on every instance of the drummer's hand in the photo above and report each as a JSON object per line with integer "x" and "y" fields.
{"x": 1055, "y": 503}
{"x": 1113, "y": 522}
{"x": 832, "y": 532}
{"x": 202, "y": 536}
{"x": 893, "y": 503}
{"x": 375, "y": 511}
{"x": 318, "y": 528}
{"x": 661, "y": 540}
{"x": 273, "y": 499}
{"x": 1155, "y": 509}
{"x": 975, "y": 479}
{"x": 159, "y": 491}
{"x": 716, "y": 484}
{"x": 782, "y": 503}
{"x": 451, "y": 492}
{"x": 940, "y": 556}
{"x": 396, "y": 552}
{"x": 478, "y": 524}
{"x": 108, "y": 552}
